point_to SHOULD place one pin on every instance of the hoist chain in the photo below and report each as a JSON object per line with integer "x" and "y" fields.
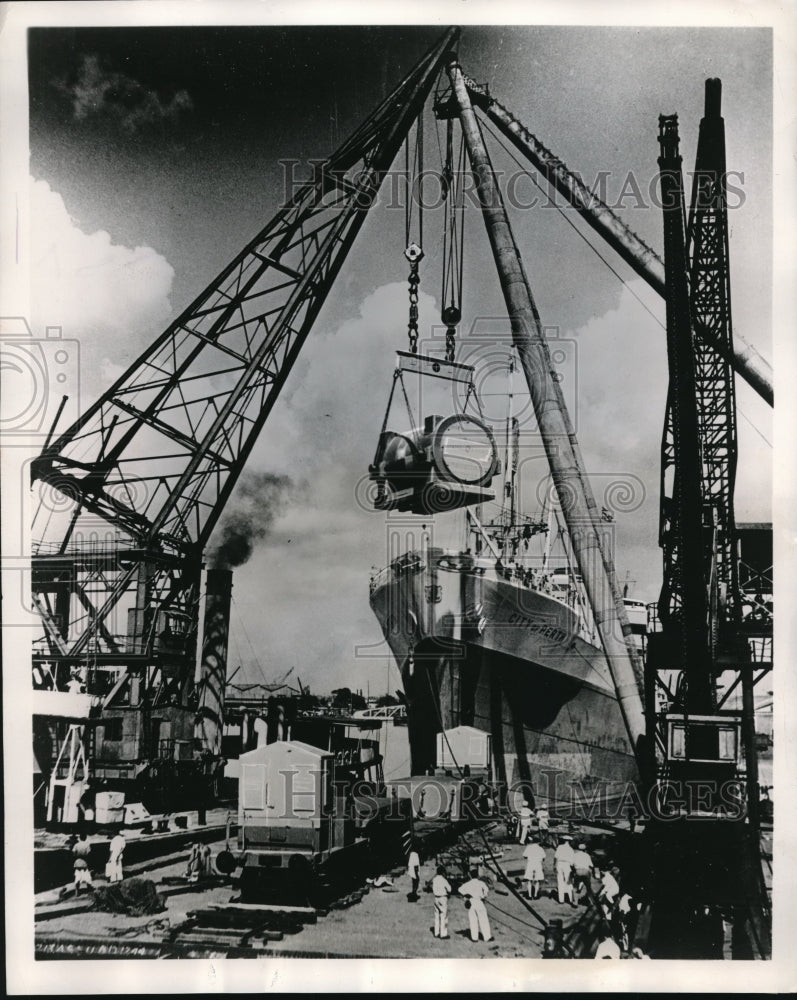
{"x": 450, "y": 343}
{"x": 451, "y": 316}
{"x": 452, "y": 240}
{"x": 414, "y": 255}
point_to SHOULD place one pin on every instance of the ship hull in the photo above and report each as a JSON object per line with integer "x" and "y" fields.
{"x": 477, "y": 648}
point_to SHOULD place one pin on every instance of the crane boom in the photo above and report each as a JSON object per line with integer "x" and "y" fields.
{"x": 634, "y": 251}
{"x": 160, "y": 452}
{"x": 157, "y": 456}
{"x": 561, "y": 446}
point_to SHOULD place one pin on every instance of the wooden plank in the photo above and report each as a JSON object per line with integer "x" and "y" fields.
{"x": 213, "y": 918}
{"x": 308, "y": 911}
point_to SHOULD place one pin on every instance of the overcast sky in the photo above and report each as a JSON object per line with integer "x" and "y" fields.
{"x": 155, "y": 156}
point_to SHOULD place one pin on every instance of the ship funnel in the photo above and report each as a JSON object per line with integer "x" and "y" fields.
{"x": 213, "y": 664}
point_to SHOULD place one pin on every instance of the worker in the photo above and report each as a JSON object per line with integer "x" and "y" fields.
{"x": 582, "y": 872}
{"x": 483, "y": 803}
{"x": 475, "y": 892}
{"x": 624, "y": 919}
{"x": 608, "y": 948}
{"x": 563, "y": 859}
{"x": 610, "y": 889}
{"x": 525, "y": 822}
{"x": 441, "y": 890}
{"x": 113, "y": 870}
{"x": 414, "y": 872}
{"x": 534, "y": 854}
{"x": 81, "y": 850}
{"x": 543, "y": 823}
{"x": 194, "y": 868}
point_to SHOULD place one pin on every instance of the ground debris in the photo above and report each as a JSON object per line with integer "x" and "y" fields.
{"x": 135, "y": 897}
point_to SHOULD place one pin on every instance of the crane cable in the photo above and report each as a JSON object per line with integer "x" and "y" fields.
{"x": 453, "y": 187}
{"x": 569, "y": 221}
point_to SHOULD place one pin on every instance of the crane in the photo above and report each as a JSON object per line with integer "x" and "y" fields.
{"x": 697, "y": 742}
{"x": 143, "y": 475}
{"x": 131, "y": 492}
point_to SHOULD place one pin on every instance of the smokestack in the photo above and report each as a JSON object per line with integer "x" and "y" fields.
{"x": 213, "y": 665}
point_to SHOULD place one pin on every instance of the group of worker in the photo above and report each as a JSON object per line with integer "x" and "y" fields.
{"x": 575, "y": 871}
{"x": 474, "y": 891}
{"x": 81, "y": 850}
{"x": 199, "y": 862}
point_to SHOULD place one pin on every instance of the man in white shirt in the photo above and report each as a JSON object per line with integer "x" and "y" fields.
{"x": 543, "y": 822}
{"x": 610, "y": 889}
{"x": 563, "y": 859}
{"x": 113, "y": 869}
{"x": 608, "y": 948}
{"x": 414, "y": 872}
{"x": 534, "y": 874}
{"x": 441, "y": 889}
{"x": 475, "y": 892}
{"x": 626, "y": 913}
{"x": 525, "y": 822}
{"x": 582, "y": 870}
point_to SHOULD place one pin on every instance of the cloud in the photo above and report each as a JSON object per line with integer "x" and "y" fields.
{"x": 113, "y": 298}
{"x": 117, "y": 97}
{"x": 622, "y": 390}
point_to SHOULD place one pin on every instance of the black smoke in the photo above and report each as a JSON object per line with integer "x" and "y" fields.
{"x": 258, "y": 500}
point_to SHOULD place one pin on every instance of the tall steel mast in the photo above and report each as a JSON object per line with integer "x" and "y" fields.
{"x": 564, "y": 457}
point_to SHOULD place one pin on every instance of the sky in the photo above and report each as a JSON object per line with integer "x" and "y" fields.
{"x": 156, "y": 154}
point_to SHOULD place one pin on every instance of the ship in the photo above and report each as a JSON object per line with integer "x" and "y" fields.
{"x": 490, "y": 637}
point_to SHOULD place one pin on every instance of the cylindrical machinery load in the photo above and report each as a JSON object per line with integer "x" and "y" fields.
{"x": 213, "y": 664}
{"x": 447, "y": 463}
{"x": 460, "y": 448}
